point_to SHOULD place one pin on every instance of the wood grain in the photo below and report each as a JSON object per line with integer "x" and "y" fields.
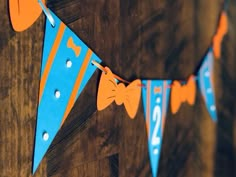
{"x": 151, "y": 39}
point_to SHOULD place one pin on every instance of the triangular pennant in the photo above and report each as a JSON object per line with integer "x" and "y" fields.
{"x": 205, "y": 80}
{"x": 66, "y": 69}
{"x": 155, "y": 97}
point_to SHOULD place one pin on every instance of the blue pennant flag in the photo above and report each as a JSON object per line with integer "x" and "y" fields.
{"x": 205, "y": 80}
{"x": 155, "y": 97}
{"x": 66, "y": 69}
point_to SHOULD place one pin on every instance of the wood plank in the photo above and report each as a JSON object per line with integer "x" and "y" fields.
{"x": 106, "y": 167}
{"x": 19, "y": 73}
{"x": 149, "y": 39}
{"x": 225, "y": 87}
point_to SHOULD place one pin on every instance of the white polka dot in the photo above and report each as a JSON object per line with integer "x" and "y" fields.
{"x": 155, "y": 151}
{"x": 45, "y": 136}
{"x": 68, "y": 63}
{"x": 213, "y": 108}
{"x": 158, "y": 100}
{"x": 209, "y": 90}
{"x": 207, "y": 74}
{"x": 57, "y": 94}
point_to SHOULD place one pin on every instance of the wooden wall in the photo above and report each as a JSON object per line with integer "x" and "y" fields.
{"x": 152, "y": 39}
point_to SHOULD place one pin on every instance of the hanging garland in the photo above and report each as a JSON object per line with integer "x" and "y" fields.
{"x": 64, "y": 52}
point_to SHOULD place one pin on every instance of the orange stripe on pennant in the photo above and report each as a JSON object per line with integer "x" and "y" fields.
{"x": 50, "y": 59}
{"x": 148, "y": 108}
{"x": 163, "y": 107}
{"x": 77, "y": 84}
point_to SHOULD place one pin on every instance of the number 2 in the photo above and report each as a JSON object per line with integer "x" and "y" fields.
{"x": 156, "y": 116}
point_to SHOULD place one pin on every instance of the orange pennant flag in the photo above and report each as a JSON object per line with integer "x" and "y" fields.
{"x": 24, "y": 13}
{"x": 181, "y": 94}
{"x": 220, "y": 33}
{"x": 109, "y": 91}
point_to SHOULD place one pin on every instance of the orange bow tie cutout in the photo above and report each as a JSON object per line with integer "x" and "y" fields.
{"x": 109, "y": 91}
{"x": 24, "y": 13}
{"x": 181, "y": 94}
{"x": 220, "y": 33}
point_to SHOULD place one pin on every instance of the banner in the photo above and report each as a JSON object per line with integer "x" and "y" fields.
{"x": 206, "y": 84}
{"x": 66, "y": 69}
{"x": 155, "y": 102}
{"x": 68, "y": 64}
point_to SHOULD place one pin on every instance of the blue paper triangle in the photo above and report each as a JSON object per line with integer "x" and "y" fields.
{"x": 66, "y": 69}
{"x": 155, "y": 101}
{"x": 205, "y": 80}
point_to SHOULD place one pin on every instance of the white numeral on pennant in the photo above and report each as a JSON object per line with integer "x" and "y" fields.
{"x": 156, "y": 116}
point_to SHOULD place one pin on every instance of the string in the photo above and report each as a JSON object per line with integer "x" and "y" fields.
{"x": 182, "y": 82}
{"x": 103, "y": 69}
{"x": 47, "y": 13}
{"x": 115, "y": 76}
